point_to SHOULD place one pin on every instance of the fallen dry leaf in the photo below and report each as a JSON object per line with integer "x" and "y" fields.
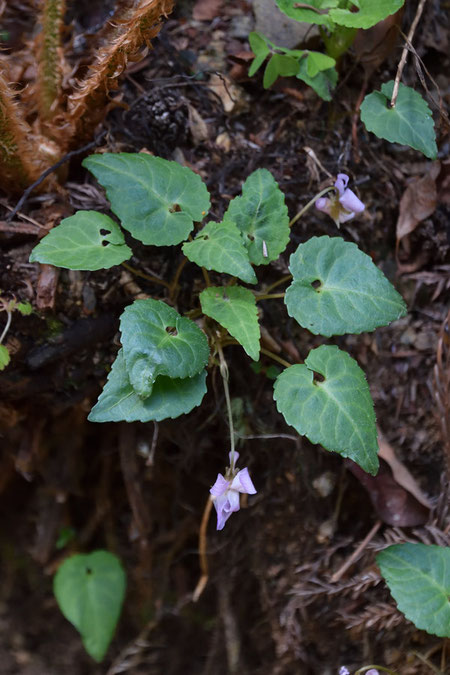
{"x": 205, "y": 10}
{"x": 393, "y": 504}
{"x": 418, "y": 201}
{"x": 232, "y": 96}
{"x": 46, "y": 287}
{"x": 197, "y": 126}
{"x": 400, "y": 472}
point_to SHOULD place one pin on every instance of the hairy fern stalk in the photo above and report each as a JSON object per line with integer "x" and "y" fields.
{"x": 67, "y": 122}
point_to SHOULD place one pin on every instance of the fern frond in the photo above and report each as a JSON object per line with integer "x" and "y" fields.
{"x": 19, "y": 155}
{"x": 49, "y": 58}
{"x": 136, "y": 26}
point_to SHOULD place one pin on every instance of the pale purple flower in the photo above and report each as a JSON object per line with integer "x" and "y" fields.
{"x": 226, "y": 489}
{"x": 343, "y": 205}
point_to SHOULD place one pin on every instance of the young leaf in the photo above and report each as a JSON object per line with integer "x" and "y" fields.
{"x": 169, "y": 398}
{"x": 368, "y": 14}
{"x": 24, "y": 308}
{"x": 156, "y": 341}
{"x": 87, "y": 240}
{"x": 234, "y": 308}
{"x": 336, "y": 412}
{"x": 323, "y": 83}
{"x": 260, "y": 49}
{"x": 261, "y": 215}
{"x": 316, "y": 62}
{"x": 89, "y": 590}
{"x": 337, "y": 289}
{"x": 156, "y": 200}
{"x": 220, "y": 247}
{"x": 5, "y": 357}
{"x": 418, "y": 576}
{"x": 317, "y": 14}
{"x": 409, "y": 122}
{"x": 280, "y": 65}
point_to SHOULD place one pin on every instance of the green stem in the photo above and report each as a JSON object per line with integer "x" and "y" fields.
{"x": 276, "y": 358}
{"x": 269, "y": 296}
{"x": 309, "y": 204}
{"x": 148, "y": 277}
{"x": 224, "y": 374}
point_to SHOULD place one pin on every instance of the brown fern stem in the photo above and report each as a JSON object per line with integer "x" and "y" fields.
{"x": 17, "y": 145}
{"x": 136, "y": 26}
{"x": 50, "y": 58}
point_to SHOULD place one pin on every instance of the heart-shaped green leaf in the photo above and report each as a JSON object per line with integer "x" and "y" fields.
{"x": 156, "y": 200}
{"x": 89, "y": 590}
{"x": 87, "y": 240}
{"x": 337, "y": 289}
{"x": 368, "y": 14}
{"x": 317, "y": 14}
{"x": 220, "y": 247}
{"x": 169, "y": 398}
{"x": 234, "y": 308}
{"x": 418, "y": 576}
{"x": 336, "y": 412}
{"x": 157, "y": 341}
{"x": 261, "y": 215}
{"x": 409, "y": 122}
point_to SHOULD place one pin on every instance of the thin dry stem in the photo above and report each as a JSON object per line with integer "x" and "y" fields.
{"x": 404, "y": 55}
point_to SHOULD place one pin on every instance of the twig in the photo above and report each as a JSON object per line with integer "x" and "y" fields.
{"x": 50, "y": 170}
{"x": 202, "y": 552}
{"x": 404, "y": 55}
{"x": 356, "y": 553}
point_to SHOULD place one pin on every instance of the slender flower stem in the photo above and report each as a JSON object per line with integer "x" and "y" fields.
{"x": 309, "y": 204}
{"x": 276, "y": 358}
{"x": 404, "y": 55}
{"x": 8, "y": 323}
{"x": 224, "y": 373}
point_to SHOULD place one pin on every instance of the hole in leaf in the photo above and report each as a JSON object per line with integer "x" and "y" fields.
{"x": 317, "y": 378}
{"x": 105, "y": 243}
{"x": 316, "y": 284}
{"x": 88, "y": 570}
{"x": 174, "y": 208}
{"x": 171, "y": 330}
{"x": 251, "y": 237}
{"x": 104, "y": 232}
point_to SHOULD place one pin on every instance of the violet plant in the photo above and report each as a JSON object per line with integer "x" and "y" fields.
{"x": 160, "y": 370}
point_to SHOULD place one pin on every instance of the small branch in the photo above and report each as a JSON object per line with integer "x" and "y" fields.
{"x": 50, "y": 170}
{"x": 404, "y": 55}
{"x": 356, "y": 553}
{"x": 202, "y": 552}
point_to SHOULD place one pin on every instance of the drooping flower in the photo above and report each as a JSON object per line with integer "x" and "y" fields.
{"x": 226, "y": 489}
{"x": 343, "y": 205}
